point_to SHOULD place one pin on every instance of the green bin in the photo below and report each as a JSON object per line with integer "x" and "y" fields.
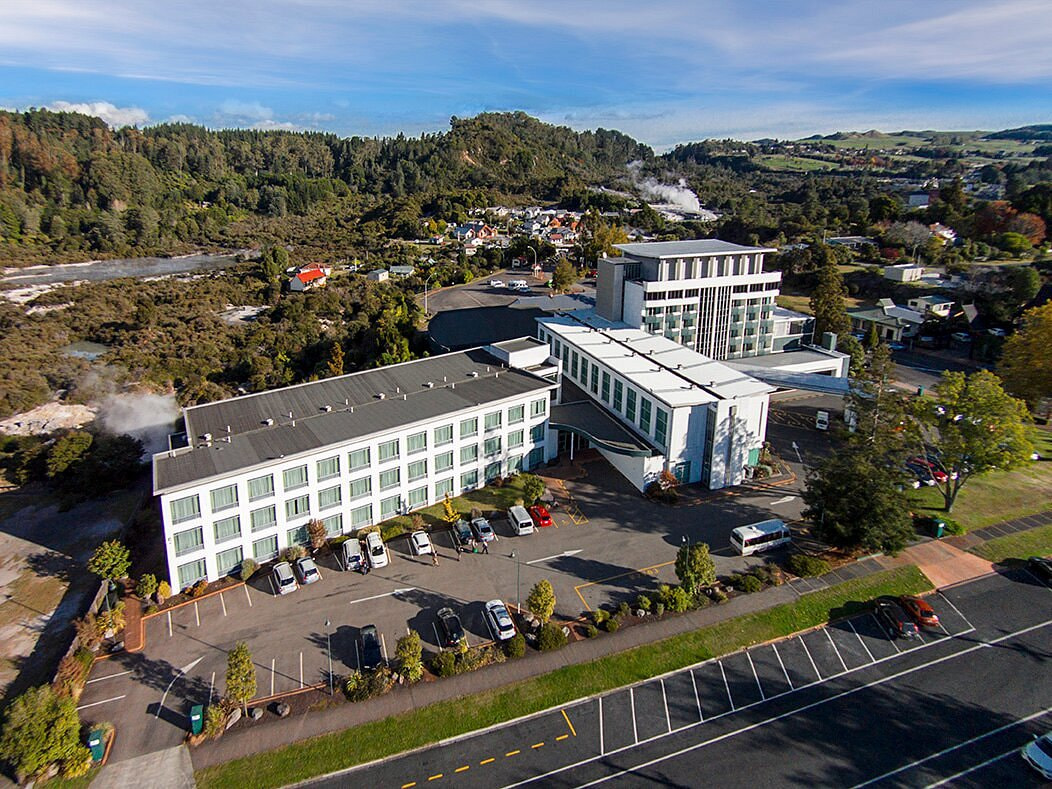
{"x": 938, "y": 527}
{"x": 197, "y": 721}
{"x": 97, "y": 745}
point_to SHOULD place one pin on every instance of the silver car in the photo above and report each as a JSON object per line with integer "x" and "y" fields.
{"x": 284, "y": 579}
{"x": 498, "y": 620}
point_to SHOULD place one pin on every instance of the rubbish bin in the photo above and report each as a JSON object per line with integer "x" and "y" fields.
{"x": 197, "y": 718}
{"x": 938, "y": 527}
{"x": 97, "y": 745}
{"x": 920, "y": 391}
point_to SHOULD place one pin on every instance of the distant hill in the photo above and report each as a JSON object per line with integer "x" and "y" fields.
{"x": 1042, "y": 131}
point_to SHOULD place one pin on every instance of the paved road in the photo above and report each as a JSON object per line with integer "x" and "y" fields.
{"x": 844, "y": 705}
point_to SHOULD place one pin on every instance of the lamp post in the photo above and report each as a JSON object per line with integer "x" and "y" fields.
{"x": 534, "y": 251}
{"x": 518, "y": 567}
{"x": 328, "y": 650}
{"x": 426, "y": 281}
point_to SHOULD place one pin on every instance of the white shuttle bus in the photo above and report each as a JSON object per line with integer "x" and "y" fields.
{"x": 761, "y": 536}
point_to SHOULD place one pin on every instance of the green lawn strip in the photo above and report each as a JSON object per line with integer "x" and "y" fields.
{"x": 1033, "y": 542}
{"x": 486, "y": 499}
{"x": 377, "y": 739}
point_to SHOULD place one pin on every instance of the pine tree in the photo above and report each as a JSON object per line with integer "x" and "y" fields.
{"x": 240, "y": 674}
{"x": 827, "y": 302}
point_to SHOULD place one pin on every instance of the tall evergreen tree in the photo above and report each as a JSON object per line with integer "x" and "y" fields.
{"x": 827, "y": 302}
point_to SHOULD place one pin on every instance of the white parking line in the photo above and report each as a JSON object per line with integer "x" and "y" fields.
{"x": 697, "y": 698}
{"x": 438, "y": 638}
{"x": 197, "y": 614}
{"x": 955, "y": 608}
{"x": 602, "y": 748}
{"x": 272, "y": 676}
{"x": 301, "y": 668}
{"x": 863, "y": 643}
{"x": 726, "y": 687}
{"x": 951, "y": 749}
{"x": 810, "y": 659}
{"x": 169, "y": 624}
{"x": 632, "y": 700}
{"x": 979, "y": 766}
{"x": 104, "y": 701}
{"x": 247, "y": 595}
{"x": 755, "y": 676}
{"x": 664, "y": 698}
{"x": 383, "y": 646}
{"x": 221, "y": 600}
{"x": 885, "y": 632}
{"x": 108, "y": 676}
{"x": 780, "y": 663}
{"x": 841, "y": 659}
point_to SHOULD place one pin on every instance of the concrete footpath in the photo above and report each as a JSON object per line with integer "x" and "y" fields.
{"x": 944, "y": 562}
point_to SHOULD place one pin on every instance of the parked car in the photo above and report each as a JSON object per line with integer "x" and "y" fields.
{"x": 961, "y": 336}
{"x": 894, "y": 619}
{"x": 822, "y": 420}
{"x": 1040, "y": 566}
{"x": 934, "y": 471}
{"x": 540, "y": 515}
{"x": 483, "y": 531}
{"x": 371, "y": 655}
{"x": 496, "y": 283}
{"x": 452, "y": 630}
{"x": 307, "y": 571}
{"x": 520, "y": 521}
{"x": 284, "y": 578}
{"x": 1038, "y": 754}
{"x": 462, "y": 533}
{"x": 920, "y": 610}
{"x": 374, "y": 546}
{"x": 499, "y": 621}
{"x": 352, "y": 555}
{"x": 922, "y": 474}
{"x": 896, "y": 346}
{"x": 420, "y": 543}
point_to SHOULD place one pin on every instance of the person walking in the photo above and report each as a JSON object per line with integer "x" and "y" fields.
{"x": 485, "y": 547}
{"x": 434, "y": 558}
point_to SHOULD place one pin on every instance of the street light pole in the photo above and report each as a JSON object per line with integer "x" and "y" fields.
{"x": 426, "y": 281}
{"x": 518, "y": 566}
{"x": 328, "y": 650}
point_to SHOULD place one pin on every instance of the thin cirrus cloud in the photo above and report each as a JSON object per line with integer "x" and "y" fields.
{"x": 664, "y": 70}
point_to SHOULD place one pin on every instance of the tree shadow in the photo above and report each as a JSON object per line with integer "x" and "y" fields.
{"x": 50, "y": 564}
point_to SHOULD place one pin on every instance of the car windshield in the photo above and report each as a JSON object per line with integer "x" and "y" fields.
{"x": 1045, "y": 745}
{"x": 378, "y": 549}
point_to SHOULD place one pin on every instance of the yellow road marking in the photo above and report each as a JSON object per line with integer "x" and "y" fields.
{"x": 435, "y": 777}
{"x": 562, "y": 737}
{"x": 537, "y": 745}
{"x": 409, "y": 785}
{"x": 486, "y": 761}
{"x": 652, "y": 570}
{"x": 566, "y": 718}
{"x": 462, "y": 769}
{"x": 512, "y": 753}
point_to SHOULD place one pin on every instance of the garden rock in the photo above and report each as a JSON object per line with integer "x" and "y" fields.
{"x": 235, "y": 716}
{"x": 282, "y": 709}
{"x": 255, "y": 713}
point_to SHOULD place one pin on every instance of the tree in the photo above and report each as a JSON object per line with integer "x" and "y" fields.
{"x": 240, "y": 675}
{"x": 827, "y": 302}
{"x": 409, "y": 656}
{"x": 110, "y": 561}
{"x": 908, "y": 234}
{"x": 564, "y": 276}
{"x": 532, "y": 488}
{"x": 40, "y": 729}
{"x": 695, "y": 568}
{"x": 872, "y": 338}
{"x": 541, "y": 600}
{"x": 272, "y": 263}
{"x": 147, "y": 586}
{"x": 879, "y": 410}
{"x": 1026, "y": 360}
{"x": 855, "y": 500}
{"x": 974, "y": 426}
{"x": 334, "y": 366}
{"x": 316, "y": 533}
{"x": 67, "y": 451}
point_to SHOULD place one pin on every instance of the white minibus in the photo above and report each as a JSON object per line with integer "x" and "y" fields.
{"x": 761, "y": 536}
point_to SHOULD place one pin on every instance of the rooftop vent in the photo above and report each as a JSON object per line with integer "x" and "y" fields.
{"x": 429, "y": 385}
{"x": 326, "y": 408}
{"x": 473, "y": 374}
{"x": 268, "y": 422}
{"x": 381, "y": 395}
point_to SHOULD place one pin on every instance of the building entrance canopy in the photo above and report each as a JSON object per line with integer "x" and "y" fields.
{"x": 588, "y": 420}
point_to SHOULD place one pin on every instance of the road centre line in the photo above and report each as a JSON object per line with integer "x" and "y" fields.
{"x": 664, "y": 698}
{"x": 108, "y": 676}
{"x": 104, "y": 701}
{"x": 862, "y": 642}
{"x": 697, "y": 698}
{"x": 784, "y": 715}
{"x": 838, "y": 655}
{"x": 780, "y": 663}
{"x": 632, "y": 699}
{"x": 537, "y": 745}
{"x": 512, "y": 753}
{"x": 755, "y": 676}
{"x": 562, "y": 737}
{"x": 951, "y": 749}
{"x": 484, "y": 762}
{"x": 726, "y": 686}
{"x": 979, "y": 766}
{"x": 463, "y": 769}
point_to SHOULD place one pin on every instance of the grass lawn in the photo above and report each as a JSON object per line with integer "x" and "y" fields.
{"x": 795, "y": 163}
{"x": 1033, "y": 542}
{"x": 377, "y": 739}
{"x": 998, "y": 495}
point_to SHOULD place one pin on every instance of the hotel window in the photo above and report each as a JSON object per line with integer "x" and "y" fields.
{"x": 469, "y": 427}
{"x": 469, "y": 480}
{"x": 469, "y": 454}
{"x": 515, "y": 439}
{"x": 263, "y": 518}
{"x": 358, "y": 459}
{"x": 266, "y": 549}
{"x": 389, "y": 479}
{"x": 261, "y": 487}
{"x": 644, "y": 414}
{"x": 361, "y": 487}
{"x": 224, "y": 498}
{"x": 188, "y": 541}
{"x": 573, "y": 366}
{"x": 330, "y": 497}
{"x": 516, "y": 414}
{"x": 228, "y": 561}
{"x": 515, "y": 465}
{"x": 416, "y": 443}
{"x": 492, "y": 471}
{"x": 297, "y": 507}
{"x": 630, "y": 405}
{"x": 328, "y": 468}
{"x": 417, "y": 470}
{"x": 297, "y": 536}
{"x": 595, "y": 379}
{"x": 619, "y": 395}
{"x": 333, "y": 525}
{"x": 443, "y": 435}
{"x": 295, "y": 477}
{"x": 362, "y": 516}
{"x": 442, "y": 487}
{"x": 660, "y": 427}
{"x": 491, "y": 446}
{"x": 444, "y": 462}
{"x": 227, "y": 529}
{"x": 418, "y": 497}
{"x": 539, "y": 407}
{"x": 492, "y": 421}
{"x": 185, "y": 509}
{"x": 191, "y": 573}
{"x": 389, "y": 507}
{"x": 584, "y": 371}
{"x": 388, "y": 451}
{"x": 537, "y": 434}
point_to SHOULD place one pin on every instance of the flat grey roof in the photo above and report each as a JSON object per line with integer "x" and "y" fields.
{"x": 356, "y": 412}
{"x": 679, "y": 249}
{"x": 519, "y": 344}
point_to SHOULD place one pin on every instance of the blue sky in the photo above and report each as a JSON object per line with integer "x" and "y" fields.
{"x": 664, "y": 72}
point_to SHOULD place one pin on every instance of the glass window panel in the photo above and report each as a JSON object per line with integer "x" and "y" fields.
{"x": 358, "y": 459}
{"x": 491, "y": 446}
{"x": 297, "y": 507}
{"x": 469, "y": 454}
{"x": 227, "y": 529}
{"x": 297, "y": 536}
{"x": 444, "y": 462}
{"x": 329, "y": 468}
{"x": 362, "y": 516}
{"x": 361, "y": 487}
{"x": 539, "y": 407}
{"x": 443, "y": 435}
{"x": 330, "y": 497}
{"x": 188, "y": 541}
{"x": 224, "y": 498}
{"x": 265, "y": 549}
{"x": 469, "y": 427}
{"x": 469, "y": 480}
{"x": 418, "y": 497}
{"x": 388, "y": 450}
{"x": 389, "y": 507}
{"x": 389, "y": 479}
{"x": 417, "y": 470}
{"x": 295, "y": 477}
{"x": 191, "y": 573}
{"x": 442, "y": 487}
{"x": 416, "y": 443}
{"x": 185, "y": 509}
{"x": 493, "y": 421}
{"x": 228, "y": 561}
{"x": 333, "y": 525}
{"x": 516, "y": 414}
{"x": 263, "y": 518}
{"x": 261, "y": 487}
{"x": 515, "y": 438}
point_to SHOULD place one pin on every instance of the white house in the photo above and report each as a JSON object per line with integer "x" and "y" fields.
{"x": 904, "y": 272}
{"x": 378, "y": 275}
{"x": 349, "y": 451}
{"x": 936, "y": 306}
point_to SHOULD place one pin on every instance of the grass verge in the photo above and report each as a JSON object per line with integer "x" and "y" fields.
{"x": 1033, "y": 542}
{"x": 377, "y": 739}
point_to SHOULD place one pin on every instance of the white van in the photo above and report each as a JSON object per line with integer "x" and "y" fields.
{"x": 822, "y": 420}
{"x": 761, "y": 536}
{"x": 518, "y": 284}
{"x": 520, "y": 520}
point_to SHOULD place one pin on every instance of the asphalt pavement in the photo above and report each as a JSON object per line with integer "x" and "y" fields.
{"x": 843, "y": 705}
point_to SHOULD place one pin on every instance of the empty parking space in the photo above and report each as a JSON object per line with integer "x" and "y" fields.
{"x": 874, "y": 636}
{"x": 684, "y": 707}
{"x": 823, "y": 652}
{"x": 618, "y": 723}
{"x": 851, "y": 648}
{"x": 798, "y": 662}
{"x": 773, "y": 678}
{"x": 712, "y": 690}
{"x": 651, "y": 713}
{"x": 741, "y": 680}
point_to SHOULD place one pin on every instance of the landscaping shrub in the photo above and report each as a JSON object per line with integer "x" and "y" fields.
{"x": 515, "y": 647}
{"x": 953, "y": 527}
{"x": 624, "y": 609}
{"x": 550, "y": 637}
{"x": 611, "y": 625}
{"x": 151, "y": 609}
{"x": 147, "y": 586}
{"x": 643, "y": 602}
{"x": 293, "y": 552}
{"x": 164, "y": 591}
{"x": 718, "y": 595}
{"x": 675, "y": 598}
{"x": 659, "y": 608}
{"x": 248, "y": 569}
{"x": 198, "y": 589}
{"x": 216, "y": 717}
{"x": 112, "y": 620}
{"x": 772, "y": 573}
{"x": 408, "y": 651}
{"x": 750, "y": 583}
{"x": 77, "y": 764}
{"x": 87, "y": 631}
{"x": 600, "y": 615}
{"x": 444, "y": 664}
{"x": 591, "y": 631}
{"x": 360, "y": 686}
{"x": 807, "y": 566}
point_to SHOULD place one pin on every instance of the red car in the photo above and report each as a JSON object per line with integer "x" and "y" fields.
{"x": 937, "y": 473}
{"x": 540, "y": 515}
{"x": 922, "y": 613}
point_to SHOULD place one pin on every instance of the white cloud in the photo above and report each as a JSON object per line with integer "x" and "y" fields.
{"x": 272, "y": 125}
{"x": 113, "y": 115}
{"x": 180, "y": 118}
{"x": 245, "y": 110}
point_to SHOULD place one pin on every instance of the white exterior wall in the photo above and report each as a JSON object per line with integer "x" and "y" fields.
{"x": 206, "y": 519}
{"x": 634, "y": 304}
{"x": 732, "y": 443}
{"x": 639, "y": 471}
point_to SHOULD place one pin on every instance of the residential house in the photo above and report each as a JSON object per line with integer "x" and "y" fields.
{"x": 378, "y": 275}
{"x": 931, "y": 306}
{"x": 894, "y": 323}
{"x": 904, "y": 272}
{"x": 401, "y": 272}
{"x": 309, "y": 278}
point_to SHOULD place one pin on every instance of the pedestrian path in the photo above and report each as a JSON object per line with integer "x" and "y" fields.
{"x": 943, "y": 563}
{"x": 167, "y": 769}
